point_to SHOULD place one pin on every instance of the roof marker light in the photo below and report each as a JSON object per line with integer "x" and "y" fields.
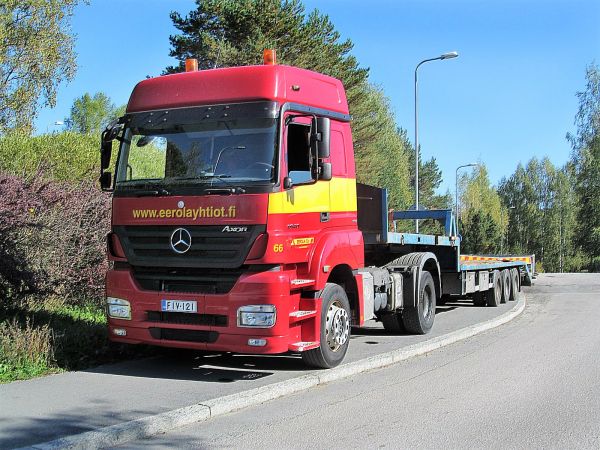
{"x": 269, "y": 57}
{"x": 191, "y": 65}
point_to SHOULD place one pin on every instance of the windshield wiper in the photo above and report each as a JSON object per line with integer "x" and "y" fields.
{"x": 231, "y": 188}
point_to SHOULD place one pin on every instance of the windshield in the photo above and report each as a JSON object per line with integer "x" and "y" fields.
{"x": 234, "y": 151}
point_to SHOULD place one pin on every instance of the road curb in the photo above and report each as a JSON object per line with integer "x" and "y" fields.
{"x": 167, "y": 421}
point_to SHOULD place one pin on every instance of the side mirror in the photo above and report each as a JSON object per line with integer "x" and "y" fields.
{"x": 106, "y": 181}
{"x": 105, "y": 153}
{"x": 325, "y": 171}
{"x": 287, "y": 183}
{"x": 321, "y": 137}
{"x": 323, "y": 128}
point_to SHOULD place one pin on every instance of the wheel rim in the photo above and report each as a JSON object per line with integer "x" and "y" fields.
{"x": 337, "y": 327}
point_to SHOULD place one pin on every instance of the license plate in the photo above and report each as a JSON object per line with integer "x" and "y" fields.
{"x": 179, "y": 306}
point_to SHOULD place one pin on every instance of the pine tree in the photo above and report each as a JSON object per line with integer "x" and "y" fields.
{"x": 223, "y": 33}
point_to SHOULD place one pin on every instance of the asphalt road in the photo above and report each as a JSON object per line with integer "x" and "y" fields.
{"x": 48, "y": 408}
{"x": 532, "y": 383}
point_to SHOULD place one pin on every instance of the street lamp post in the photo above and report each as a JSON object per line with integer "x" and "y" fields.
{"x": 456, "y": 190}
{"x": 448, "y": 55}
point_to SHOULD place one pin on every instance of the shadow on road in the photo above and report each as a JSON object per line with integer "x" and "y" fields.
{"x": 205, "y": 367}
{"x": 35, "y": 430}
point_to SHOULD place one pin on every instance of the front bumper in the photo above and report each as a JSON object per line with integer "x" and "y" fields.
{"x": 214, "y": 326}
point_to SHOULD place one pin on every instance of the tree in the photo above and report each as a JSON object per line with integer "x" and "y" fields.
{"x": 586, "y": 164}
{"x": 36, "y": 55}
{"x": 480, "y": 233}
{"x": 383, "y": 161}
{"x": 90, "y": 114}
{"x": 483, "y": 217}
{"x": 430, "y": 179}
{"x": 541, "y": 214}
{"x": 232, "y": 33}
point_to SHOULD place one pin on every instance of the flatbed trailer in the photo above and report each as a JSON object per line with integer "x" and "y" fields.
{"x": 486, "y": 279}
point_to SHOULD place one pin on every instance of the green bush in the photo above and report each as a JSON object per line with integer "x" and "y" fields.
{"x": 70, "y": 157}
{"x": 53, "y": 224}
{"x": 67, "y": 156}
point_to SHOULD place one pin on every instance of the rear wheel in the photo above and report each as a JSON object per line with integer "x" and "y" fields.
{"x": 505, "y": 274}
{"x": 335, "y": 329}
{"x": 419, "y": 319}
{"x": 514, "y": 284}
{"x": 493, "y": 295}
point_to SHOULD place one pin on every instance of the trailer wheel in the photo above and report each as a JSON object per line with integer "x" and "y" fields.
{"x": 494, "y": 294}
{"x": 505, "y": 274}
{"x": 335, "y": 329}
{"x": 419, "y": 319}
{"x": 479, "y": 298}
{"x": 514, "y": 284}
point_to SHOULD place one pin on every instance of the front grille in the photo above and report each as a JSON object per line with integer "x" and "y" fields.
{"x": 186, "y": 280}
{"x": 211, "y": 246}
{"x": 172, "y": 334}
{"x": 179, "y": 318}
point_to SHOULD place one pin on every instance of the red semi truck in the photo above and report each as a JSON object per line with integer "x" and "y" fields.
{"x": 238, "y": 224}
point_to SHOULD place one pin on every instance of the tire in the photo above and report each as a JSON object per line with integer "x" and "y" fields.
{"x": 493, "y": 295}
{"x": 419, "y": 319}
{"x": 392, "y": 323}
{"x": 514, "y": 284}
{"x": 505, "y": 274}
{"x": 335, "y": 329}
{"x": 479, "y": 298}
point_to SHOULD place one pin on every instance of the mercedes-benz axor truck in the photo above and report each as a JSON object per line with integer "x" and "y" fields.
{"x": 238, "y": 224}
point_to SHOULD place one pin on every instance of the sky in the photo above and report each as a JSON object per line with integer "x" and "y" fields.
{"x": 508, "y": 97}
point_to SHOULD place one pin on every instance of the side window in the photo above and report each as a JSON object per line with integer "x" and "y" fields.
{"x": 298, "y": 153}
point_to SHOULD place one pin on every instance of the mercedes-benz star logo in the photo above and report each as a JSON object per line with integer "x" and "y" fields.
{"x": 181, "y": 240}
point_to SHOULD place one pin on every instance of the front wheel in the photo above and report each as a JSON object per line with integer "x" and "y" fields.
{"x": 335, "y": 329}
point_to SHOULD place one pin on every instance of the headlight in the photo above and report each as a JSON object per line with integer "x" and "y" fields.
{"x": 257, "y": 316}
{"x": 118, "y": 308}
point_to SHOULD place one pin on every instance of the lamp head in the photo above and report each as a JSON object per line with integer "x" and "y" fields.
{"x": 449, "y": 55}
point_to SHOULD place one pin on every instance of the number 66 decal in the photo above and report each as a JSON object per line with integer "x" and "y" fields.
{"x": 278, "y": 248}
